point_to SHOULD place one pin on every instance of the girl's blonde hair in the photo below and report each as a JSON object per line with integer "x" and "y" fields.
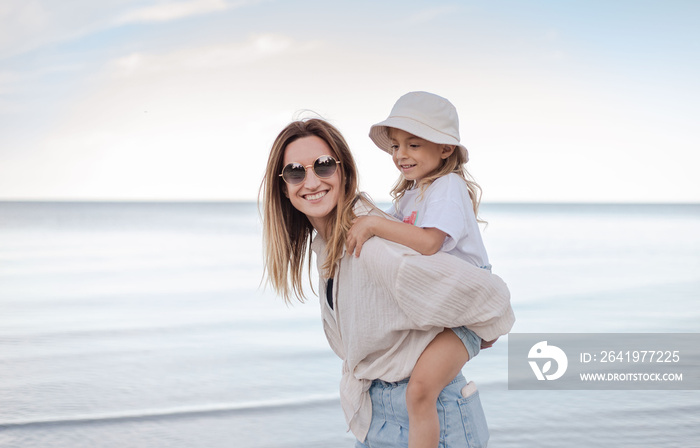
{"x": 455, "y": 163}
{"x": 287, "y": 232}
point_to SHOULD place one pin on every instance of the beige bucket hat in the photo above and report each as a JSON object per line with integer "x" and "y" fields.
{"x": 425, "y": 115}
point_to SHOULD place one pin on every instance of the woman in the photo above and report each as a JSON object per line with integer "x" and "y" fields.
{"x": 382, "y": 309}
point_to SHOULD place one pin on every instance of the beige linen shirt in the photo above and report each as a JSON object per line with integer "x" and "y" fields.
{"x": 390, "y": 303}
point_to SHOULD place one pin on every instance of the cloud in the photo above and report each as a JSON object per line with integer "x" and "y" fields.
{"x": 427, "y": 15}
{"x": 29, "y": 14}
{"x": 256, "y": 48}
{"x": 30, "y": 24}
{"x": 7, "y": 80}
{"x": 21, "y": 23}
{"x": 172, "y": 11}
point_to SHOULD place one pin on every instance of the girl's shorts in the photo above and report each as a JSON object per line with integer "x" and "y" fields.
{"x": 471, "y": 341}
{"x": 462, "y": 420}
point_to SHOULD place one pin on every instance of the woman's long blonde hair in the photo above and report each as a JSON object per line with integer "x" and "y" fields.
{"x": 287, "y": 232}
{"x": 455, "y": 163}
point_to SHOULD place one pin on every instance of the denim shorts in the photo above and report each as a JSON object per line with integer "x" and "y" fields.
{"x": 471, "y": 341}
{"x": 462, "y": 420}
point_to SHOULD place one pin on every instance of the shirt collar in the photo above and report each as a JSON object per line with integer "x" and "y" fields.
{"x": 318, "y": 244}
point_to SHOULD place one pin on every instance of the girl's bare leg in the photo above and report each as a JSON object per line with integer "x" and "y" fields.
{"x": 439, "y": 364}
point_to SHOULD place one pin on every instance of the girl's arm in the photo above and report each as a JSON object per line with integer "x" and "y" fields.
{"x": 426, "y": 241}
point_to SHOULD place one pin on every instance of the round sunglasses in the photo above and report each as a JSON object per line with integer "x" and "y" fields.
{"x": 295, "y": 173}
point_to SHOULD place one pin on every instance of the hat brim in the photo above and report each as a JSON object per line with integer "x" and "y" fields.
{"x": 380, "y": 135}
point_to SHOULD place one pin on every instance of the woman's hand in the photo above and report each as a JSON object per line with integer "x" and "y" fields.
{"x": 361, "y": 231}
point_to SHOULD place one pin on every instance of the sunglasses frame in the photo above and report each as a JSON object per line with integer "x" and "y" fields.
{"x": 306, "y": 167}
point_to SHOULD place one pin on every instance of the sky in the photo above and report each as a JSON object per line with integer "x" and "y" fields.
{"x": 559, "y": 101}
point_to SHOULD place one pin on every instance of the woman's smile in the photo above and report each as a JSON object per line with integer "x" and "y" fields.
{"x": 316, "y": 197}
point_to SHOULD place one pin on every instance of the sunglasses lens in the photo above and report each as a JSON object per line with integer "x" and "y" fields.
{"x": 325, "y": 166}
{"x": 294, "y": 173}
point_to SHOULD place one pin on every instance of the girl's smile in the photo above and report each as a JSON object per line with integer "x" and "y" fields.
{"x": 415, "y": 157}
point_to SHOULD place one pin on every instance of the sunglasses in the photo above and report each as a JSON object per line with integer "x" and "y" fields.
{"x": 295, "y": 173}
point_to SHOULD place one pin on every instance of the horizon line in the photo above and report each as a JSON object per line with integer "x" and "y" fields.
{"x": 253, "y": 201}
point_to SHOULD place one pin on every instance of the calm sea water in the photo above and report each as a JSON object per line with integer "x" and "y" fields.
{"x": 144, "y": 325}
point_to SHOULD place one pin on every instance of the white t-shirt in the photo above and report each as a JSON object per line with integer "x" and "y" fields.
{"x": 446, "y": 205}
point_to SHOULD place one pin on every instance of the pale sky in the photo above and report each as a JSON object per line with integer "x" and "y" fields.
{"x": 559, "y": 101}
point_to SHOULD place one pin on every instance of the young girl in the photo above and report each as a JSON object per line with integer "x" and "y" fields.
{"x": 438, "y": 203}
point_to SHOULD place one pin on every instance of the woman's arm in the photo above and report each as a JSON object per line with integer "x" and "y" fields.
{"x": 440, "y": 290}
{"x": 426, "y": 241}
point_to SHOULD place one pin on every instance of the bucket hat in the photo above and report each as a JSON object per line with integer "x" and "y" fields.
{"x": 425, "y": 115}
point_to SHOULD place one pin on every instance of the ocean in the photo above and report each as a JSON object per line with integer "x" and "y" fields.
{"x": 146, "y": 325}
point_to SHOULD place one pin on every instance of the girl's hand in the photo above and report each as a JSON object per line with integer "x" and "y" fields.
{"x": 361, "y": 231}
{"x": 487, "y": 344}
